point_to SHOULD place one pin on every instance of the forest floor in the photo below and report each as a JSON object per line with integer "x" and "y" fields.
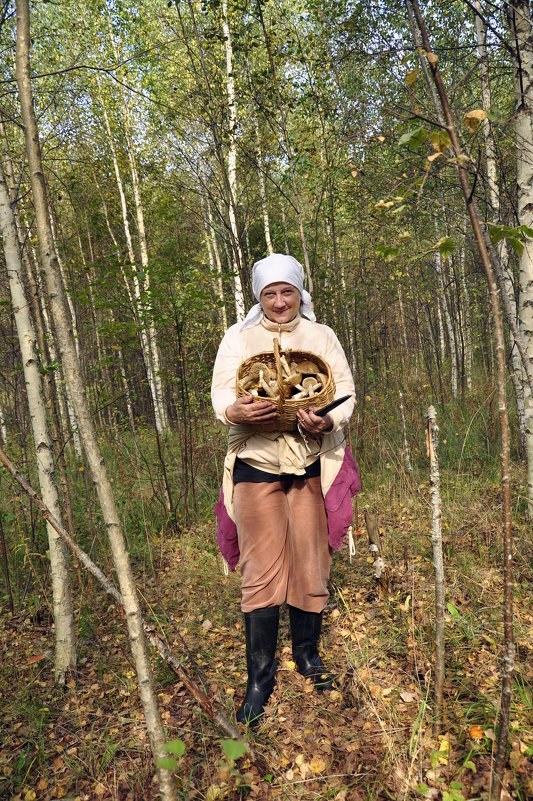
{"x": 371, "y": 738}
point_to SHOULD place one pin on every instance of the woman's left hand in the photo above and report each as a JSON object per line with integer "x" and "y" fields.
{"x": 312, "y": 423}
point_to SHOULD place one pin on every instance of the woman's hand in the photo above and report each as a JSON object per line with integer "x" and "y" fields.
{"x": 244, "y": 410}
{"x": 312, "y": 423}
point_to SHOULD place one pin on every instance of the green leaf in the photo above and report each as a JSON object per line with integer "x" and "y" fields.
{"x": 440, "y": 141}
{"x": 414, "y": 139}
{"x": 176, "y": 747}
{"x": 387, "y": 252}
{"x": 454, "y": 612}
{"x": 234, "y": 749}
{"x": 516, "y": 245}
{"x": 422, "y": 788}
{"x": 446, "y": 246}
{"x": 167, "y": 763}
{"x": 526, "y": 230}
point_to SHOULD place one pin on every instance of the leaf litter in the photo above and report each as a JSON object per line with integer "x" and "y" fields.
{"x": 371, "y": 738}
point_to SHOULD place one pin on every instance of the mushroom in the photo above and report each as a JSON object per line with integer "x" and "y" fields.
{"x": 322, "y": 377}
{"x": 303, "y": 394}
{"x": 311, "y": 385}
{"x": 308, "y": 368}
{"x": 293, "y": 379}
{"x": 285, "y": 365}
{"x": 251, "y": 379}
{"x": 268, "y": 390}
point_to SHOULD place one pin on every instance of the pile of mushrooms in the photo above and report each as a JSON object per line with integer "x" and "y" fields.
{"x": 300, "y": 379}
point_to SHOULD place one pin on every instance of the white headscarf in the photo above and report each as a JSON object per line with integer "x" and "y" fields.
{"x": 273, "y": 269}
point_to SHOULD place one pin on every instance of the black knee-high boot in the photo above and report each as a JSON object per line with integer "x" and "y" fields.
{"x": 305, "y": 630}
{"x": 261, "y": 640}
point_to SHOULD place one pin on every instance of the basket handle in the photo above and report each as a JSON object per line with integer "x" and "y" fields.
{"x": 279, "y": 370}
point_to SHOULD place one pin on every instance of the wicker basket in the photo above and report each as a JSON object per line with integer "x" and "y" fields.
{"x": 287, "y": 407}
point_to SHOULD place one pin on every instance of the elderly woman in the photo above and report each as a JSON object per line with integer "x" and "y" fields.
{"x": 286, "y": 497}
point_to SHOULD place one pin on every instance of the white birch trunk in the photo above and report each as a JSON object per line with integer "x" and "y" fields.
{"x": 438, "y": 560}
{"x": 65, "y": 643}
{"x": 449, "y": 325}
{"x": 238, "y": 258}
{"x": 402, "y": 322}
{"x": 143, "y": 331}
{"x": 143, "y": 247}
{"x": 523, "y": 79}
{"x": 55, "y": 360}
{"x": 494, "y": 199}
{"x": 72, "y": 372}
{"x": 405, "y": 442}
{"x": 262, "y": 188}
{"x": 215, "y": 265}
{"x": 442, "y": 342}
{"x": 127, "y": 394}
{"x": 467, "y": 327}
{"x": 3, "y": 427}
{"x": 66, "y": 289}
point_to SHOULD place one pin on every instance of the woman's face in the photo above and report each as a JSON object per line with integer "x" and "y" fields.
{"x": 280, "y": 302}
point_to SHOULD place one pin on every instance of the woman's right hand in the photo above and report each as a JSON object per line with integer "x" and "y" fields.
{"x": 244, "y": 410}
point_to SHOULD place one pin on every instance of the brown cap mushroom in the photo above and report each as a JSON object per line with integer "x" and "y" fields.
{"x": 308, "y": 368}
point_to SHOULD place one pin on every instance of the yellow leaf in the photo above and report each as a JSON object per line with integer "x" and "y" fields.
{"x": 290, "y": 665}
{"x": 473, "y": 118}
{"x": 30, "y": 795}
{"x": 411, "y": 77}
{"x": 431, "y": 57}
{"x": 434, "y": 156}
{"x": 317, "y": 766}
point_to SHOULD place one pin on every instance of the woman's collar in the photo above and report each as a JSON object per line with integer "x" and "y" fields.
{"x": 270, "y": 325}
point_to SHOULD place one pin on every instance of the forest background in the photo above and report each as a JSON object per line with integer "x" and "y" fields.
{"x": 180, "y": 142}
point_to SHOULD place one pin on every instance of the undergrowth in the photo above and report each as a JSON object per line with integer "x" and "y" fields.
{"x": 372, "y": 738}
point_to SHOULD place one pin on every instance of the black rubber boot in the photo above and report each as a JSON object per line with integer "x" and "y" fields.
{"x": 261, "y": 640}
{"x": 305, "y": 630}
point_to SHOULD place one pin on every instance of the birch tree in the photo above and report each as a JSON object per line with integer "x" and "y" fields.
{"x": 494, "y": 205}
{"x": 233, "y": 190}
{"x": 522, "y": 36}
{"x": 65, "y": 642}
{"x": 74, "y": 380}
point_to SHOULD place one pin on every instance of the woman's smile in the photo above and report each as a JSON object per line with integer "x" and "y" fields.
{"x": 280, "y": 302}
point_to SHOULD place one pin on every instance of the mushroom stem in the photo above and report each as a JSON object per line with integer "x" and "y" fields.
{"x": 265, "y": 386}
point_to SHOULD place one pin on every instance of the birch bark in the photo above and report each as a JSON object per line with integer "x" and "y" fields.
{"x": 262, "y": 188}
{"x": 73, "y": 377}
{"x": 3, "y": 427}
{"x": 438, "y": 561}
{"x": 65, "y": 643}
{"x": 494, "y": 202}
{"x": 449, "y": 324}
{"x": 144, "y": 331}
{"x": 522, "y": 33}
{"x": 215, "y": 265}
{"x": 238, "y": 258}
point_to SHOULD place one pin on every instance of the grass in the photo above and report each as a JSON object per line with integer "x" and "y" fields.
{"x": 370, "y": 739}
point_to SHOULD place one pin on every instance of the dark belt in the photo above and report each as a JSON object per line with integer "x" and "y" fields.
{"x": 243, "y": 472}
